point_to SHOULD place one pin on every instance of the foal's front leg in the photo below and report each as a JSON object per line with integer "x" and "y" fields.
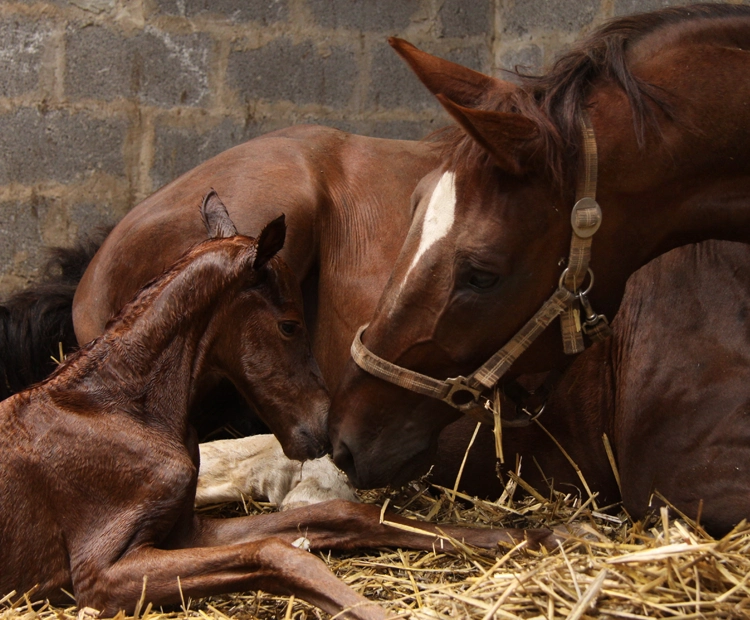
{"x": 343, "y": 525}
{"x": 271, "y": 565}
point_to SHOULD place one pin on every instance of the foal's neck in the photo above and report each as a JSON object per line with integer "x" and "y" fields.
{"x": 147, "y": 362}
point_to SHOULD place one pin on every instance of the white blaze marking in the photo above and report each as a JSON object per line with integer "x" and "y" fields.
{"x": 438, "y": 219}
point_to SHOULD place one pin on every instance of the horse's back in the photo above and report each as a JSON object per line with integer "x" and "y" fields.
{"x": 333, "y": 187}
{"x": 682, "y": 364}
{"x": 269, "y": 173}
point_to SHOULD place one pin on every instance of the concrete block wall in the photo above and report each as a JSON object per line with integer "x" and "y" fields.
{"x": 104, "y": 101}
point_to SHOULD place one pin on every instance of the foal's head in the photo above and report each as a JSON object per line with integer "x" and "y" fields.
{"x": 257, "y": 337}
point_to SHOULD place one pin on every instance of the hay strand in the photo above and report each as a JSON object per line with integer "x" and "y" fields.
{"x": 463, "y": 461}
{"x": 612, "y": 461}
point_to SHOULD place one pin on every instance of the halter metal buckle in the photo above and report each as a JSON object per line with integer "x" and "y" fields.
{"x": 592, "y": 318}
{"x": 461, "y": 395}
{"x": 586, "y": 217}
{"x": 564, "y": 274}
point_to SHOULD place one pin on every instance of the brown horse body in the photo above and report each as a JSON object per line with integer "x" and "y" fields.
{"x": 492, "y": 223}
{"x": 100, "y": 461}
{"x": 669, "y": 389}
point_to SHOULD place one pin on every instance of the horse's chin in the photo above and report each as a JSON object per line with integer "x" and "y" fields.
{"x": 305, "y": 450}
{"x": 391, "y": 470}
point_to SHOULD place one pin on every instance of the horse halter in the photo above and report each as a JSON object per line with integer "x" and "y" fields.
{"x": 465, "y": 393}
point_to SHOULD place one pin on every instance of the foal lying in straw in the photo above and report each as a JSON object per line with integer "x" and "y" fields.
{"x": 100, "y": 461}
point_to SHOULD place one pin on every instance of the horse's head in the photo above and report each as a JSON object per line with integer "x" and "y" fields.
{"x": 490, "y": 236}
{"x": 258, "y": 338}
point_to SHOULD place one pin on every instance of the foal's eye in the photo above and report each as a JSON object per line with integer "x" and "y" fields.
{"x": 288, "y": 328}
{"x": 482, "y": 280}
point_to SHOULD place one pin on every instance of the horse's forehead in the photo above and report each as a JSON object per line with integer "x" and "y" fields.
{"x": 439, "y": 215}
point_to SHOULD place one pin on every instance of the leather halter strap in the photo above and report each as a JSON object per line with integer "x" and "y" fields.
{"x": 585, "y": 219}
{"x": 465, "y": 393}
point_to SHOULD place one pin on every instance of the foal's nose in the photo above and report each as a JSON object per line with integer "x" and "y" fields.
{"x": 316, "y": 446}
{"x": 307, "y": 441}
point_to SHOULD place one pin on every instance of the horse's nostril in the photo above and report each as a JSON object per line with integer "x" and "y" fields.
{"x": 344, "y": 460}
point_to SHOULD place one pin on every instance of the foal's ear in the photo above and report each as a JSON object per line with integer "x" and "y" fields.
{"x": 505, "y": 135}
{"x": 215, "y": 217}
{"x": 270, "y": 241}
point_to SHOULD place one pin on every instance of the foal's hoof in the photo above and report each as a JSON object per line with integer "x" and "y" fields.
{"x": 542, "y": 537}
{"x": 552, "y": 539}
{"x": 504, "y": 539}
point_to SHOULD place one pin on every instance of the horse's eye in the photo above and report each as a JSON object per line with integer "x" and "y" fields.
{"x": 483, "y": 280}
{"x": 288, "y": 328}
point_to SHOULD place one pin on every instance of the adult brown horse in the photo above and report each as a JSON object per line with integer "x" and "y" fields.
{"x": 100, "y": 461}
{"x": 493, "y": 228}
{"x": 347, "y": 205}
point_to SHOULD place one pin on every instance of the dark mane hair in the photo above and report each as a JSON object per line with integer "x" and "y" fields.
{"x": 36, "y": 322}
{"x": 554, "y": 100}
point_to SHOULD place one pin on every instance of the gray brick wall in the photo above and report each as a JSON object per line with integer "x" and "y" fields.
{"x": 104, "y": 101}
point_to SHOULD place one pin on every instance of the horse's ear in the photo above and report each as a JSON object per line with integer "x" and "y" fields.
{"x": 505, "y": 135}
{"x": 460, "y": 84}
{"x": 460, "y": 90}
{"x": 270, "y": 241}
{"x": 215, "y": 217}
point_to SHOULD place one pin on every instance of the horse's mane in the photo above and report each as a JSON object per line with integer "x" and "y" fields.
{"x": 554, "y": 100}
{"x": 227, "y": 260}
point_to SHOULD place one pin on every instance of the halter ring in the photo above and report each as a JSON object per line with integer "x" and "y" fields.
{"x": 561, "y": 283}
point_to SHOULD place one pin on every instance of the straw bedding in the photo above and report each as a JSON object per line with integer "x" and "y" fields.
{"x": 609, "y": 567}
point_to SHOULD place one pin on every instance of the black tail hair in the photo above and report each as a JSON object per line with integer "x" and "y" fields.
{"x": 37, "y": 321}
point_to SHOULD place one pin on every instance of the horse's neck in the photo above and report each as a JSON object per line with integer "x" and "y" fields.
{"x": 149, "y": 359}
{"x": 362, "y": 228}
{"x": 692, "y": 182}
{"x": 689, "y": 181}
